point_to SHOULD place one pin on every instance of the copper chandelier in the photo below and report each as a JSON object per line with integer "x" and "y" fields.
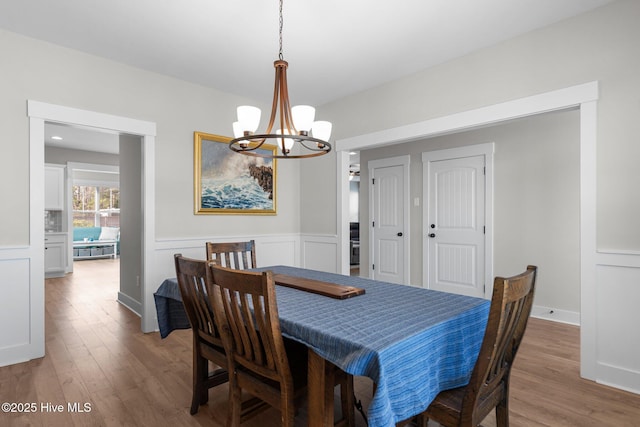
{"x": 296, "y": 124}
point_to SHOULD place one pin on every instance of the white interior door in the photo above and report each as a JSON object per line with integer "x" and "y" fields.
{"x": 456, "y": 225}
{"x": 389, "y": 188}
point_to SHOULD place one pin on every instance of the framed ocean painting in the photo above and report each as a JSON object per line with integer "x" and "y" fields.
{"x": 226, "y": 182}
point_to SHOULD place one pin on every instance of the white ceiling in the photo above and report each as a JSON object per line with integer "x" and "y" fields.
{"x": 77, "y": 138}
{"x": 334, "y": 47}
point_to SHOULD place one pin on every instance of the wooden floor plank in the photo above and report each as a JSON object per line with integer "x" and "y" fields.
{"x": 96, "y": 354}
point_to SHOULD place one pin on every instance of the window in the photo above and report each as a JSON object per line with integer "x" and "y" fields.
{"x": 96, "y": 206}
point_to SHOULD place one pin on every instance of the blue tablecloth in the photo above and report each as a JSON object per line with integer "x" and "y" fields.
{"x": 412, "y": 342}
{"x": 169, "y": 308}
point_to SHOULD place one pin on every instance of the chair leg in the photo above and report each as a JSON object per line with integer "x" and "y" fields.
{"x": 200, "y": 392}
{"x": 287, "y": 413}
{"x": 422, "y": 420}
{"x": 502, "y": 413}
{"x": 502, "y": 408}
{"x": 347, "y": 398}
{"x": 234, "y": 407}
{"x": 417, "y": 421}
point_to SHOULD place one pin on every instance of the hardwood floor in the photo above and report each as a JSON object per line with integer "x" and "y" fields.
{"x": 96, "y": 355}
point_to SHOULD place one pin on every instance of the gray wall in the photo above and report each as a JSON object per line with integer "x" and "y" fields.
{"x": 131, "y": 215}
{"x": 601, "y": 45}
{"x": 536, "y": 201}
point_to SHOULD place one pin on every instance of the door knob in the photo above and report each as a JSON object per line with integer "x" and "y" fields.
{"x": 400, "y": 234}
{"x": 432, "y": 235}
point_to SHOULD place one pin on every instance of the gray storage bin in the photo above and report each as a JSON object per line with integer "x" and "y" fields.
{"x": 84, "y": 252}
{"x": 96, "y": 251}
{"x": 107, "y": 250}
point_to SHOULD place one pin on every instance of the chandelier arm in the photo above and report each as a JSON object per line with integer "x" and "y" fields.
{"x": 276, "y": 91}
{"x": 284, "y": 99}
{"x": 247, "y": 143}
{"x": 282, "y": 106}
{"x": 318, "y": 146}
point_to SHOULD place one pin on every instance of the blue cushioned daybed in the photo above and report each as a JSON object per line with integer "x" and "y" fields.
{"x": 95, "y": 242}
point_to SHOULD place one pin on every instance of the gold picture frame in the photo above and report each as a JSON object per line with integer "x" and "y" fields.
{"x": 226, "y": 182}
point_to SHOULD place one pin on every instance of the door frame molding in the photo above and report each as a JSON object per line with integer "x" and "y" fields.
{"x": 39, "y": 113}
{"x": 405, "y": 162}
{"x": 487, "y": 150}
{"x": 583, "y": 96}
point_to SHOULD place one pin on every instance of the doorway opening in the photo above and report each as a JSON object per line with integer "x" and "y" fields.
{"x": 584, "y": 97}
{"x": 41, "y": 113}
{"x": 354, "y": 213}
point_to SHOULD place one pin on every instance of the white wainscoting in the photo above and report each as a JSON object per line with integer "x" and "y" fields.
{"x": 320, "y": 252}
{"x": 17, "y": 340}
{"x": 618, "y": 319}
{"x": 309, "y": 251}
{"x": 270, "y": 250}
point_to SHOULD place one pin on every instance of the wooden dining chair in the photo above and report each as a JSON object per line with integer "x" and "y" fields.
{"x": 261, "y": 361}
{"x": 236, "y": 255}
{"x": 194, "y": 280}
{"x": 488, "y": 387}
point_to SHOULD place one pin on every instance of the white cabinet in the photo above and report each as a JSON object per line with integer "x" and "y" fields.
{"x": 55, "y": 254}
{"x": 54, "y": 188}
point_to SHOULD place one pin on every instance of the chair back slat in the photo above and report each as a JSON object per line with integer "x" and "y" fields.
{"x": 248, "y": 319}
{"x": 235, "y": 255}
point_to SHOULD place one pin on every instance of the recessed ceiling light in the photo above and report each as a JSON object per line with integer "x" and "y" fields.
{"x": 352, "y": 153}
{"x": 57, "y": 138}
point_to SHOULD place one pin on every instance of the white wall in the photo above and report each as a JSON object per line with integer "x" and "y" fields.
{"x": 48, "y": 73}
{"x": 598, "y": 46}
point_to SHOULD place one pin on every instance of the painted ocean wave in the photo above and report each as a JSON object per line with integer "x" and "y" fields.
{"x": 241, "y": 192}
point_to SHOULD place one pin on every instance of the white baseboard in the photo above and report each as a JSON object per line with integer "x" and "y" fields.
{"x": 555, "y": 315}
{"x": 618, "y": 377}
{"x": 130, "y": 303}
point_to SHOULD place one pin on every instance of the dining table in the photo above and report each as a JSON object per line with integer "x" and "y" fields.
{"x": 412, "y": 342}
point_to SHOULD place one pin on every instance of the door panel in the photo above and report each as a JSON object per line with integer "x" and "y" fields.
{"x": 388, "y": 264}
{"x": 388, "y": 223}
{"x": 456, "y": 225}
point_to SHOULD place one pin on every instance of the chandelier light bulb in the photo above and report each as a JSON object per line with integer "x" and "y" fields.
{"x": 285, "y": 144}
{"x": 249, "y": 118}
{"x": 321, "y": 130}
{"x": 303, "y": 116}
{"x": 237, "y": 130}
